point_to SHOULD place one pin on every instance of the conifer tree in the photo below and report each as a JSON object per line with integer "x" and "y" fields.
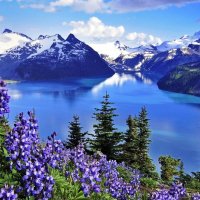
{"x": 75, "y": 136}
{"x": 130, "y": 146}
{"x": 144, "y": 161}
{"x": 169, "y": 167}
{"x": 181, "y": 172}
{"x": 105, "y": 137}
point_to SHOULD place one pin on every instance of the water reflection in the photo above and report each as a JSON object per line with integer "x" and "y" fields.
{"x": 15, "y": 94}
{"x": 115, "y": 80}
{"x": 74, "y": 88}
{"x": 70, "y": 90}
{"x": 143, "y": 78}
{"x": 120, "y": 79}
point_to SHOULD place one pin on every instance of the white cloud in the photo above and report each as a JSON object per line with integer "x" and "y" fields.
{"x": 43, "y": 7}
{"x": 140, "y": 5}
{"x": 95, "y": 32}
{"x": 92, "y": 6}
{"x": 61, "y": 3}
{"x": 142, "y": 39}
{"x": 95, "y": 29}
{"x": 1, "y": 18}
{"x": 89, "y": 6}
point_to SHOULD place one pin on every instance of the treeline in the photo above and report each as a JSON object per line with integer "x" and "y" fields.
{"x": 130, "y": 147}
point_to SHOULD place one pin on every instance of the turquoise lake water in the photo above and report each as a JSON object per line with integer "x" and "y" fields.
{"x": 174, "y": 118}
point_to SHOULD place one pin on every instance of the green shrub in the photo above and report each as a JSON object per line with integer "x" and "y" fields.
{"x": 149, "y": 183}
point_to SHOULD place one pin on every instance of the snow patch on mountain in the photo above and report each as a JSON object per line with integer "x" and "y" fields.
{"x": 45, "y": 42}
{"x": 9, "y": 40}
{"x": 107, "y": 49}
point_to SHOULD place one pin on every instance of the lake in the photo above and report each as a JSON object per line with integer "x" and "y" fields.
{"x": 174, "y": 118}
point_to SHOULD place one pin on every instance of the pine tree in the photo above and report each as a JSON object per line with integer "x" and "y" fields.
{"x": 144, "y": 161}
{"x": 181, "y": 172}
{"x": 130, "y": 146}
{"x": 169, "y": 167}
{"x": 105, "y": 137}
{"x": 75, "y": 136}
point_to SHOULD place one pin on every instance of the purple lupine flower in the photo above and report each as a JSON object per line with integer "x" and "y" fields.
{"x": 196, "y": 196}
{"x": 54, "y": 153}
{"x": 7, "y": 193}
{"x": 21, "y": 142}
{"x": 86, "y": 171}
{"x": 36, "y": 180}
{"x": 4, "y": 99}
{"x": 115, "y": 185}
{"x": 176, "y": 192}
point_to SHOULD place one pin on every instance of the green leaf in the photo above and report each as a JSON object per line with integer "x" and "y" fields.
{"x": 5, "y": 152}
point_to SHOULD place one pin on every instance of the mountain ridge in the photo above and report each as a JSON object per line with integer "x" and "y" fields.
{"x": 50, "y": 57}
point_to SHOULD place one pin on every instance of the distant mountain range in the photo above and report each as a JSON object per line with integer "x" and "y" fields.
{"x": 48, "y": 58}
{"x": 158, "y": 59}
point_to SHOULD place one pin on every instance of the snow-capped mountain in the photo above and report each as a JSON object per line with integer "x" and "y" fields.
{"x": 9, "y": 40}
{"x": 112, "y": 49}
{"x": 161, "y": 58}
{"x": 182, "y": 42}
{"x": 124, "y": 58}
{"x": 49, "y": 57}
{"x": 172, "y": 54}
{"x": 117, "y": 48}
{"x": 164, "y": 62}
{"x": 136, "y": 57}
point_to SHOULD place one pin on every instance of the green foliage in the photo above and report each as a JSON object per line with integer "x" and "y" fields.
{"x": 145, "y": 164}
{"x": 4, "y": 165}
{"x": 130, "y": 146}
{"x": 169, "y": 168}
{"x": 191, "y": 181}
{"x": 141, "y": 195}
{"x": 8, "y": 179}
{"x": 75, "y": 136}
{"x": 193, "y": 184}
{"x": 105, "y": 138}
{"x": 124, "y": 173}
{"x": 101, "y": 196}
{"x": 7, "y": 176}
{"x": 65, "y": 188}
{"x": 149, "y": 183}
{"x": 181, "y": 172}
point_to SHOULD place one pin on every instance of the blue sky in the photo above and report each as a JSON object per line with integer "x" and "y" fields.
{"x": 133, "y": 21}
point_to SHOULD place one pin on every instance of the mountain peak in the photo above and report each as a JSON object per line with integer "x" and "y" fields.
{"x": 71, "y": 38}
{"x": 41, "y": 37}
{"x": 21, "y": 34}
{"x": 7, "y": 31}
{"x": 60, "y": 37}
{"x": 117, "y": 43}
{"x": 120, "y": 46}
